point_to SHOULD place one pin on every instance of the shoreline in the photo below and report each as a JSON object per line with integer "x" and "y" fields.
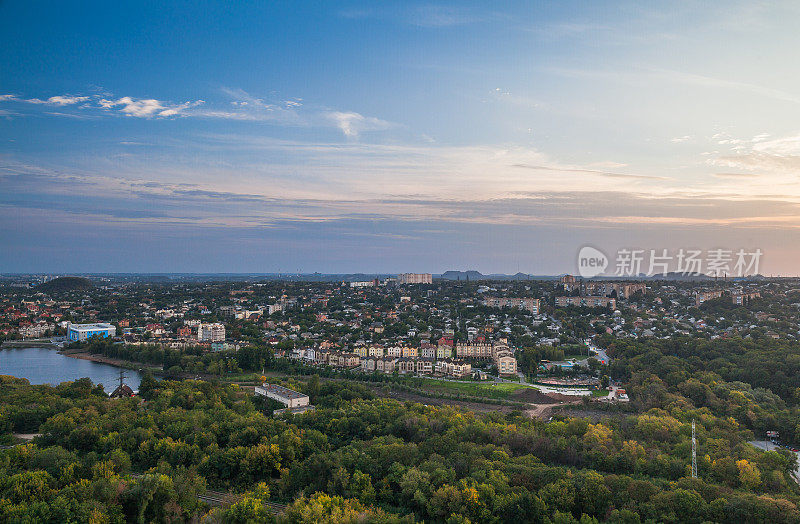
{"x": 127, "y": 364}
{"x": 21, "y": 344}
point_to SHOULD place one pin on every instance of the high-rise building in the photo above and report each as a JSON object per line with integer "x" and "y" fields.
{"x": 415, "y": 278}
{"x": 211, "y": 332}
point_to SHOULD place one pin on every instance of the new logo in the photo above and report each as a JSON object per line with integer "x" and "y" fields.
{"x": 591, "y": 262}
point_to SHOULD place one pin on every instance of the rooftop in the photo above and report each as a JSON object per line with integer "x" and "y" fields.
{"x": 90, "y": 327}
{"x": 284, "y": 392}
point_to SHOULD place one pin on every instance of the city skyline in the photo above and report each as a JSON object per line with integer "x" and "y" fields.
{"x": 394, "y": 137}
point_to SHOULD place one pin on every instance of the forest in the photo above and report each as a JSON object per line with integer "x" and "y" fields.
{"x": 359, "y": 458}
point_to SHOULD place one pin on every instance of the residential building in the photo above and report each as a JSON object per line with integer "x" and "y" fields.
{"x": 226, "y": 346}
{"x": 616, "y": 289}
{"x": 506, "y": 363}
{"x": 386, "y": 364}
{"x": 347, "y": 360}
{"x": 743, "y": 298}
{"x": 35, "y": 330}
{"x": 368, "y": 364}
{"x": 452, "y": 367}
{"x": 587, "y": 302}
{"x": 211, "y": 332}
{"x": 406, "y": 365}
{"x": 531, "y": 304}
{"x": 154, "y": 329}
{"x": 428, "y": 351}
{"x": 415, "y": 278}
{"x": 701, "y": 297}
{"x": 409, "y": 352}
{"x": 425, "y": 366}
{"x": 474, "y": 350}
{"x": 569, "y": 283}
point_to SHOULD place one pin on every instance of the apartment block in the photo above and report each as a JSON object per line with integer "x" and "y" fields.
{"x": 587, "y": 302}
{"x": 415, "y": 278}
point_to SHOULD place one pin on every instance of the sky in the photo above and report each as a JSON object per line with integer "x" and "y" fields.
{"x": 406, "y": 136}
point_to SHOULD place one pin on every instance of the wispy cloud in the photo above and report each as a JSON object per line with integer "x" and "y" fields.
{"x": 778, "y": 157}
{"x": 565, "y": 169}
{"x": 65, "y": 100}
{"x": 445, "y": 16}
{"x": 239, "y": 105}
{"x": 431, "y": 16}
{"x": 712, "y": 82}
{"x": 735, "y": 175}
{"x": 353, "y": 124}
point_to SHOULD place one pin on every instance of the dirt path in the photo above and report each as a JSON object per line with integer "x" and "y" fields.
{"x": 545, "y": 411}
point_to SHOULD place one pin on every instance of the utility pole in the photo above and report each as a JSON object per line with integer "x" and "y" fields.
{"x": 694, "y": 453}
{"x": 121, "y": 377}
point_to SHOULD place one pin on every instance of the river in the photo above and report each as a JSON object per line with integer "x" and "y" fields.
{"x": 47, "y": 366}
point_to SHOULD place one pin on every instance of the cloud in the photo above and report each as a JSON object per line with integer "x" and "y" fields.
{"x": 426, "y": 16}
{"x": 434, "y": 16}
{"x": 735, "y": 175}
{"x": 353, "y": 124}
{"x": 680, "y": 139}
{"x": 779, "y": 156}
{"x": 146, "y": 108}
{"x": 75, "y": 116}
{"x": 565, "y": 169}
{"x": 58, "y": 100}
{"x": 242, "y": 106}
{"x": 708, "y": 81}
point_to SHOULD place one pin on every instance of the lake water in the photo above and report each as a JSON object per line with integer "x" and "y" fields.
{"x": 47, "y": 366}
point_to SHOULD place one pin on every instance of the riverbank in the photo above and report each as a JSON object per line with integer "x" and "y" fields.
{"x": 42, "y": 365}
{"x": 44, "y": 343}
{"x": 127, "y": 364}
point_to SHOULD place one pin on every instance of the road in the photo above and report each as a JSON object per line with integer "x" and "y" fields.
{"x": 766, "y": 445}
{"x": 599, "y": 353}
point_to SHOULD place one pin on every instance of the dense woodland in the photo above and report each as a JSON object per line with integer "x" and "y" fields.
{"x": 360, "y": 458}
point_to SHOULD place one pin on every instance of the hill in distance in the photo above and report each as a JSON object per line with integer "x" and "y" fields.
{"x": 62, "y": 284}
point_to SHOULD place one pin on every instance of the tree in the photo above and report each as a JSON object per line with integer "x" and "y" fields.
{"x": 749, "y": 475}
{"x": 312, "y": 388}
{"x": 147, "y": 386}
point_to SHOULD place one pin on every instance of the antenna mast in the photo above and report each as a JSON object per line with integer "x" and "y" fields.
{"x": 694, "y": 453}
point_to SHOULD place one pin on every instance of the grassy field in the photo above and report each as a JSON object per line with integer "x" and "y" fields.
{"x": 477, "y": 389}
{"x": 241, "y": 377}
{"x": 576, "y": 356}
{"x": 600, "y": 393}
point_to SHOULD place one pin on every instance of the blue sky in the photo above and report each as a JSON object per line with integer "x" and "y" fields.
{"x": 387, "y": 137}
